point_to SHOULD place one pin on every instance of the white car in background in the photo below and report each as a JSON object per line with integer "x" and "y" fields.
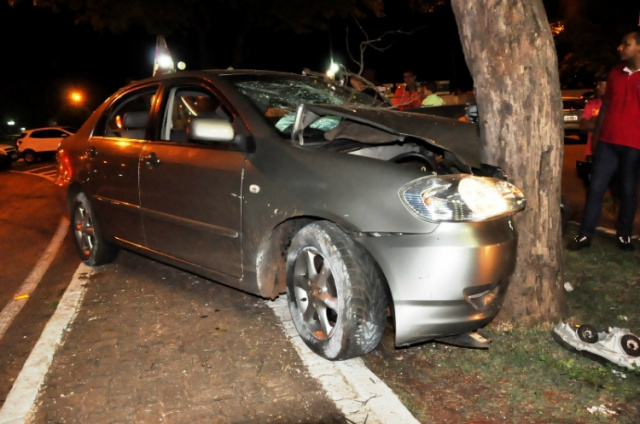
{"x": 41, "y": 142}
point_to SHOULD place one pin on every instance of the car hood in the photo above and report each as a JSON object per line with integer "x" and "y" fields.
{"x": 371, "y": 125}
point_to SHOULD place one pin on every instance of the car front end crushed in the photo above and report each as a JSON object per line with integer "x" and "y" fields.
{"x": 450, "y": 276}
{"x": 448, "y": 282}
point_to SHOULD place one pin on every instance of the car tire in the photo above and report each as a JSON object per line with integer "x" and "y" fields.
{"x": 587, "y": 333}
{"x": 93, "y": 249}
{"x": 630, "y": 345}
{"x": 29, "y": 156}
{"x": 336, "y": 293}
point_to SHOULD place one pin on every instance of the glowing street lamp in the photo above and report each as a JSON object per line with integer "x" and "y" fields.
{"x": 333, "y": 70}
{"x": 162, "y": 62}
{"x": 76, "y": 97}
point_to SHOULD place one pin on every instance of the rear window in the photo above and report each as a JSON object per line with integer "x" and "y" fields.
{"x": 573, "y": 104}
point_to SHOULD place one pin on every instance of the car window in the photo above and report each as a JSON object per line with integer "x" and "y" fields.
{"x": 277, "y": 98}
{"x": 183, "y": 105}
{"x": 49, "y": 133}
{"x": 128, "y": 116}
{"x": 573, "y": 104}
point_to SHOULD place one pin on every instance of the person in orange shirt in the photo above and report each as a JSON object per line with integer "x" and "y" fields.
{"x": 407, "y": 96}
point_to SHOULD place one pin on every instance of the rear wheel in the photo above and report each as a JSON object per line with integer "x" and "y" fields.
{"x": 335, "y": 292}
{"x": 630, "y": 345}
{"x": 91, "y": 245}
{"x": 29, "y": 156}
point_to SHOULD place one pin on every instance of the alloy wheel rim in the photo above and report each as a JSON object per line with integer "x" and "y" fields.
{"x": 84, "y": 231}
{"x": 315, "y": 293}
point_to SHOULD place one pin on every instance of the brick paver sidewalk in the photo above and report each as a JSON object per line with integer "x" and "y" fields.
{"x": 171, "y": 347}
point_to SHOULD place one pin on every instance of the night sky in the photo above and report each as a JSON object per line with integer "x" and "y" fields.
{"x": 45, "y": 54}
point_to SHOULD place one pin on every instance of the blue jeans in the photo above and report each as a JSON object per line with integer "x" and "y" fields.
{"x": 609, "y": 159}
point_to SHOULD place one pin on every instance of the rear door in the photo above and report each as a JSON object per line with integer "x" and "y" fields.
{"x": 190, "y": 193}
{"x": 112, "y": 161}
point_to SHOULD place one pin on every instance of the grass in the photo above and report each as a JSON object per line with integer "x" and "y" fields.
{"x": 526, "y": 376}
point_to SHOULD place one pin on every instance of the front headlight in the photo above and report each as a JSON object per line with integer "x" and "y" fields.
{"x": 461, "y": 197}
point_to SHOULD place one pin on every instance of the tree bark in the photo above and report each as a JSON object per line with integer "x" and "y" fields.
{"x": 510, "y": 53}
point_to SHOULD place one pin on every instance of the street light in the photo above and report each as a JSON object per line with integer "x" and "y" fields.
{"x": 76, "y": 97}
{"x": 333, "y": 69}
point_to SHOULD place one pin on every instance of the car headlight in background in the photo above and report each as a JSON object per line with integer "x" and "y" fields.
{"x": 461, "y": 197}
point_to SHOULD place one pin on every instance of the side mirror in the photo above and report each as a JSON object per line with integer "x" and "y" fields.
{"x": 210, "y": 129}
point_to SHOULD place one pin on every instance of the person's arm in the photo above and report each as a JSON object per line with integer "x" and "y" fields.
{"x": 397, "y": 96}
{"x": 588, "y": 120}
{"x": 588, "y": 124}
{"x": 598, "y": 125}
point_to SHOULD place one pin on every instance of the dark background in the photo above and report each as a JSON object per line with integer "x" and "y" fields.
{"x": 46, "y": 54}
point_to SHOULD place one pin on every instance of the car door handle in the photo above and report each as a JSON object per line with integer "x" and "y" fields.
{"x": 151, "y": 160}
{"x": 91, "y": 152}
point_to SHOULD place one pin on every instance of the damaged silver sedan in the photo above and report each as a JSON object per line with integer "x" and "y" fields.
{"x": 278, "y": 183}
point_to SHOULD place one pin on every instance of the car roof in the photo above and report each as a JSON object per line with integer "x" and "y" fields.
{"x": 65, "y": 128}
{"x": 209, "y": 73}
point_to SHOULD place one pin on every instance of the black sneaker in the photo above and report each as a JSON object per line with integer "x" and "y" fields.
{"x": 579, "y": 242}
{"x": 624, "y": 243}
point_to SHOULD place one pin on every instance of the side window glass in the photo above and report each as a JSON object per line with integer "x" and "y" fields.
{"x": 185, "y": 104}
{"x": 51, "y": 134}
{"x": 128, "y": 117}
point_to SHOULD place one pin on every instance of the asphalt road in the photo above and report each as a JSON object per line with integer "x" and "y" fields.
{"x": 29, "y": 218}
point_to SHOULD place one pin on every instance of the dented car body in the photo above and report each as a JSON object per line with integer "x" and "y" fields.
{"x": 278, "y": 183}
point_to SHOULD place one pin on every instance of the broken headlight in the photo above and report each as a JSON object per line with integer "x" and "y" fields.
{"x": 461, "y": 197}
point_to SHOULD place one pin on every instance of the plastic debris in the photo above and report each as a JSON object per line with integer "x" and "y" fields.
{"x": 601, "y": 410}
{"x": 617, "y": 345}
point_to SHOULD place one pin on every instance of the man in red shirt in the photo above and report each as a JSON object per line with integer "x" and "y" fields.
{"x": 407, "y": 96}
{"x": 616, "y": 147}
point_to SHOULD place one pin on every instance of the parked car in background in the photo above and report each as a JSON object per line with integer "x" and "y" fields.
{"x": 279, "y": 183}
{"x": 41, "y": 142}
{"x": 572, "y": 108}
{"x": 8, "y": 155}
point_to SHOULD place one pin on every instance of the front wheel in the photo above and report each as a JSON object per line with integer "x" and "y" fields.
{"x": 93, "y": 249}
{"x": 335, "y": 291}
{"x": 587, "y": 333}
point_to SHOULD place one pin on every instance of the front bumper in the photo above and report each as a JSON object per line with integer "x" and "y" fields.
{"x": 447, "y": 282}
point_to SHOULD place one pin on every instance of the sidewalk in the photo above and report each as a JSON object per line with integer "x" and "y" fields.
{"x": 173, "y": 348}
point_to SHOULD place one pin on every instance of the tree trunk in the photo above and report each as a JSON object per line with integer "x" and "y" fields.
{"x": 511, "y": 55}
